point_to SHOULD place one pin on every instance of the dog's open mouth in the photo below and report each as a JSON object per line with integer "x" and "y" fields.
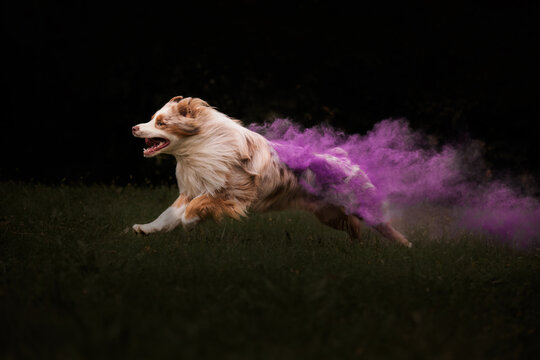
{"x": 154, "y": 145}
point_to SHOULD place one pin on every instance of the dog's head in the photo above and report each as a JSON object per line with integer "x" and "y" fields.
{"x": 179, "y": 119}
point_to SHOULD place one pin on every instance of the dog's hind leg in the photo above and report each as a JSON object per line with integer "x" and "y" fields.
{"x": 336, "y": 218}
{"x": 167, "y": 221}
{"x": 389, "y": 232}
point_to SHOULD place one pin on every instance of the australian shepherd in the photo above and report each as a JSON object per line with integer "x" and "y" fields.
{"x": 224, "y": 169}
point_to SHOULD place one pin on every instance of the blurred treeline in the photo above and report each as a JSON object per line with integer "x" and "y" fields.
{"x": 79, "y": 76}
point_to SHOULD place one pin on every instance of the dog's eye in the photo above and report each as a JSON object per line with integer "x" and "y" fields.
{"x": 160, "y": 123}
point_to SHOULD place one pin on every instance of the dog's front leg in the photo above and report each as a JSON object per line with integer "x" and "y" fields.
{"x": 206, "y": 206}
{"x": 168, "y": 220}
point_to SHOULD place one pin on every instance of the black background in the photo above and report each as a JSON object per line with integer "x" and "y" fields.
{"x": 80, "y": 75}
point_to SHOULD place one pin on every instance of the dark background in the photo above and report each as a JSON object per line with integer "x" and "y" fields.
{"x": 80, "y": 75}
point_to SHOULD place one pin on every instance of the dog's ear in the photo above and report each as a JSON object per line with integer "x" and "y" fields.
{"x": 183, "y": 107}
{"x": 191, "y": 107}
{"x": 186, "y": 127}
{"x": 176, "y": 99}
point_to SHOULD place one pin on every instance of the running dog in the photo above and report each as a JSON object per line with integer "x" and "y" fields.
{"x": 224, "y": 169}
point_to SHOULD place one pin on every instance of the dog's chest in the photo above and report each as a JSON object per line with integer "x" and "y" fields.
{"x": 194, "y": 179}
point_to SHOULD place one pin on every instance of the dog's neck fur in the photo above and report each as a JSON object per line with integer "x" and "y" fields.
{"x": 205, "y": 160}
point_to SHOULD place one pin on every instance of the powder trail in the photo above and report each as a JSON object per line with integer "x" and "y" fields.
{"x": 395, "y": 168}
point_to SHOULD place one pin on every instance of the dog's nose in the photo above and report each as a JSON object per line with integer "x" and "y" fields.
{"x": 134, "y": 129}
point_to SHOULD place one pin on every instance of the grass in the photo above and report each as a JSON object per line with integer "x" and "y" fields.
{"x": 75, "y": 285}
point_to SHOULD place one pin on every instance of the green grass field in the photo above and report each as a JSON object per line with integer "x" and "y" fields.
{"x": 74, "y": 284}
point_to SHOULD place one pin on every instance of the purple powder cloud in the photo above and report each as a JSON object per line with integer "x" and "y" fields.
{"x": 394, "y": 167}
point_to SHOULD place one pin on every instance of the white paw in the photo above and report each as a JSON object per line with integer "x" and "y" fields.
{"x": 141, "y": 229}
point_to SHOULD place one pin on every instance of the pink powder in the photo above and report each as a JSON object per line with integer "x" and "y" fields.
{"x": 405, "y": 171}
